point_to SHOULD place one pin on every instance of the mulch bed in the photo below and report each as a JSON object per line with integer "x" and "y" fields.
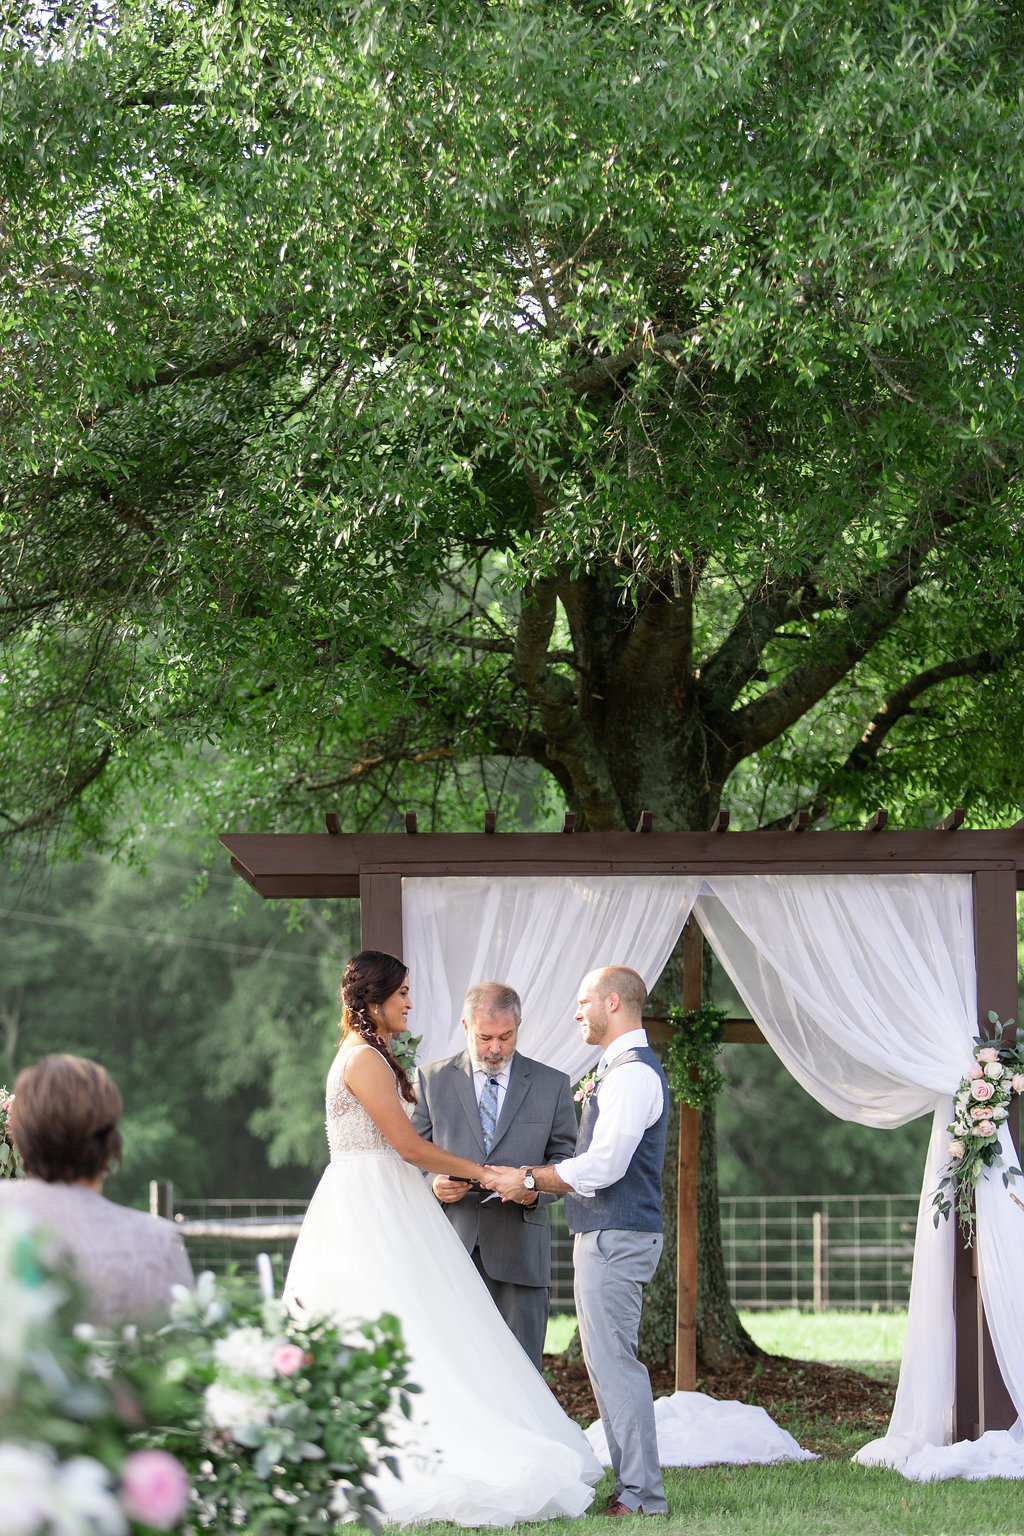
{"x": 840, "y": 1400}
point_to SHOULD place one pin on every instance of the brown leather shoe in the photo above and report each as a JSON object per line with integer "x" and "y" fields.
{"x": 616, "y": 1509}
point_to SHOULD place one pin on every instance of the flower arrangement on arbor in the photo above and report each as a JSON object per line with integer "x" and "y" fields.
{"x": 981, "y": 1105}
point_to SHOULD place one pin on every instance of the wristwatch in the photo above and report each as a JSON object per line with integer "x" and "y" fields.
{"x": 529, "y": 1182}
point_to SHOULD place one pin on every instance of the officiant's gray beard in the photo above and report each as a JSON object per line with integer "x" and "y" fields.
{"x": 496, "y": 1063}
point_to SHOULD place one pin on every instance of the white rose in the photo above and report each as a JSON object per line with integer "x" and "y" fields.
{"x": 246, "y": 1352}
{"x": 82, "y": 1501}
{"x": 231, "y": 1408}
{"x": 72, "y": 1498}
{"x": 25, "y": 1479}
{"x": 994, "y": 1070}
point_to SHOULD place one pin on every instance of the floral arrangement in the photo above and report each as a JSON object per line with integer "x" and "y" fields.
{"x": 10, "y": 1163}
{"x": 981, "y": 1105}
{"x": 71, "y": 1412}
{"x": 232, "y": 1417}
{"x": 292, "y": 1415}
{"x": 689, "y": 1060}
{"x": 585, "y": 1087}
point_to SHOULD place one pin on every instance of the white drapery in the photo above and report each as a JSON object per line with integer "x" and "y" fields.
{"x": 540, "y": 934}
{"x": 865, "y": 987}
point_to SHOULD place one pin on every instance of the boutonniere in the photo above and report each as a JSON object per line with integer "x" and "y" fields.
{"x": 586, "y": 1087}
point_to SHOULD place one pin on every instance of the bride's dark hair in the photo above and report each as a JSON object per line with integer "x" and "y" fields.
{"x": 372, "y": 977}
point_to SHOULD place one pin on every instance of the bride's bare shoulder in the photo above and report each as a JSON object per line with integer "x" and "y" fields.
{"x": 359, "y": 1064}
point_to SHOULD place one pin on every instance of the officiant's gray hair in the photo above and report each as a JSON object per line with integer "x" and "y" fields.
{"x": 492, "y": 997}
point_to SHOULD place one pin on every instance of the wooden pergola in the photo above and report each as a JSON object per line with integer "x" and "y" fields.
{"x": 372, "y": 867}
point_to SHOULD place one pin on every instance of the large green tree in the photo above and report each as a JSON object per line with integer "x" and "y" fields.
{"x": 626, "y": 390}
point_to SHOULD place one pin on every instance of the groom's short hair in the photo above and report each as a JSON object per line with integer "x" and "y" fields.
{"x": 627, "y": 983}
{"x": 492, "y": 997}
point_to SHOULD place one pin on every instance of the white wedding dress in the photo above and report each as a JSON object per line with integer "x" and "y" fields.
{"x": 487, "y": 1443}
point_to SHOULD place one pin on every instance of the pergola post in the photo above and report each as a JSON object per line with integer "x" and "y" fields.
{"x": 380, "y": 912}
{"x": 982, "y": 1401}
{"x": 686, "y": 1223}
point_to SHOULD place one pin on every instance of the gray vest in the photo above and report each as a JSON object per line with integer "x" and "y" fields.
{"x": 633, "y": 1203}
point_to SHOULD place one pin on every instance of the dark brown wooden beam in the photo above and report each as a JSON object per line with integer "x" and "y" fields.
{"x": 380, "y": 913}
{"x": 953, "y": 822}
{"x": 331, "y": 820}
{"x": 735, "y": 1031}
{"x": 304, "y": 864}
{"x": 721, "y": 822}
{"x": 646, "y": 822}
{"x": 686, "y": 1213}
{"x": 878, "y": 820}
{"x": 568, "y": 821}
{"x": 411, "y": 824}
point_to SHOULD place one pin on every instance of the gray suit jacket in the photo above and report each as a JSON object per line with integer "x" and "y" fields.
{"x": 537, "y": 1125}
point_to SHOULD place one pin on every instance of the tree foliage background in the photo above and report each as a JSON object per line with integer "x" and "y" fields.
{"x": 630, "y": 390}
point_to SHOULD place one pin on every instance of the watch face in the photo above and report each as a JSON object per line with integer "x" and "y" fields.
{"x": 529, "y": 1182}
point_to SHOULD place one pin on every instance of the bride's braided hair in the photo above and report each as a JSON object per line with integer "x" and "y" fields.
{"x": 372, "y": 977}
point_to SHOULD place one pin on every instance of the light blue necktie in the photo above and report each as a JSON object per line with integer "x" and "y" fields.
{"x": 489, "y": 1111}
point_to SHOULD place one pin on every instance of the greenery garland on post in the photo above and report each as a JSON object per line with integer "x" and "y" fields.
{"x": 689, "y": 1059}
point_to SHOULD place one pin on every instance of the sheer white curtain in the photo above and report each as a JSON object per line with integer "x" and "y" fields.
{"x": 541, "y": 934}
{"x": 865, "y": 987}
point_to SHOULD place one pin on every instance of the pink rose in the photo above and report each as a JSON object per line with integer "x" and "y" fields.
{"x": 955, "y": 1149}
{"x": 1017, "y": 1082}
{"x": 287, "y": 1359}
{"x": 154, "y": 1489}
{"x": 985, "y": 1128}
{"x": 975, "y": 1070}
{"x": 981, "y": 1089}
{"x": 988, "y": 1054}
{"x": 980, "y": 1112}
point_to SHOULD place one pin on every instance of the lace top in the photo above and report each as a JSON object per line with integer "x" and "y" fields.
{"x": 349, "y": 1127}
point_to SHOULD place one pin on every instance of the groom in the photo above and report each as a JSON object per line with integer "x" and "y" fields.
{"x": 491, "y": 1100}
{"x": 612, "y": 1191}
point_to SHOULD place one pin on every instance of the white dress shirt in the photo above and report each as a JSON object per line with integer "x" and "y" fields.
{"x": 631, "y": 1101}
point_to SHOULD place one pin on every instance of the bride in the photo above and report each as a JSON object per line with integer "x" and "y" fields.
{"x": 487, "y": 1443}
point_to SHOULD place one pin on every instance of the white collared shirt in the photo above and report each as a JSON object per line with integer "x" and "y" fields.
{"x": 631, "y": 1101}
{"x": 480, "y": 1076}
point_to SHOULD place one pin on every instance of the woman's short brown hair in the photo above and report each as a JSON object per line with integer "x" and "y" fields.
{"x": 64, "y": 1119}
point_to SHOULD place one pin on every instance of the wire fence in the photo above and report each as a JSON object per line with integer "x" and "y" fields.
{"x": 819, "y": 1252}
{"x": 810, "y": 1252}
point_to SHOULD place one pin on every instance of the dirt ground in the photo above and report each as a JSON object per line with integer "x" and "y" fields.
{"x": 829, "y": 1401}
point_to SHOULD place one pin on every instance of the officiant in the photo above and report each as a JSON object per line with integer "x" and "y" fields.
{"x": 489, "y": 1103}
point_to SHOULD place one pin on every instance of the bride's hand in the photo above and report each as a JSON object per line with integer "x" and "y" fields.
{"x": 506, "y": 1182}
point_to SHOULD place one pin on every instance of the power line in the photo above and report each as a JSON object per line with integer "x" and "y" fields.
{"x": 181, "y": 939}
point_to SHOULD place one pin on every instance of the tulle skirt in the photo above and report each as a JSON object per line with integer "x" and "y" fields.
{"x": 488, "y": 1443}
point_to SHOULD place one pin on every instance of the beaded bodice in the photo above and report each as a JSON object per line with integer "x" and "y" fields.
{"x": 349, "y": 1127}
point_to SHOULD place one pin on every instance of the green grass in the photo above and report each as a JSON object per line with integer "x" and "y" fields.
{"x": 871, "y": 1342}
{"x": 830, "y": 1497}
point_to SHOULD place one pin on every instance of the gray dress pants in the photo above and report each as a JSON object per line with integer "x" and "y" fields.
{"x": 612, "y": 1267}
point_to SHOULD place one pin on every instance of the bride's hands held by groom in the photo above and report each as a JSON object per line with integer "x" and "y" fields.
{"x": 508, "y": 1183}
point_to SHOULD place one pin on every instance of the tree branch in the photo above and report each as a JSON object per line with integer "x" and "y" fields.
{"x": 899, "y": 704}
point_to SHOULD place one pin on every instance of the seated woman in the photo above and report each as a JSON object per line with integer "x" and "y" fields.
{"x": 64, "y": 1124}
